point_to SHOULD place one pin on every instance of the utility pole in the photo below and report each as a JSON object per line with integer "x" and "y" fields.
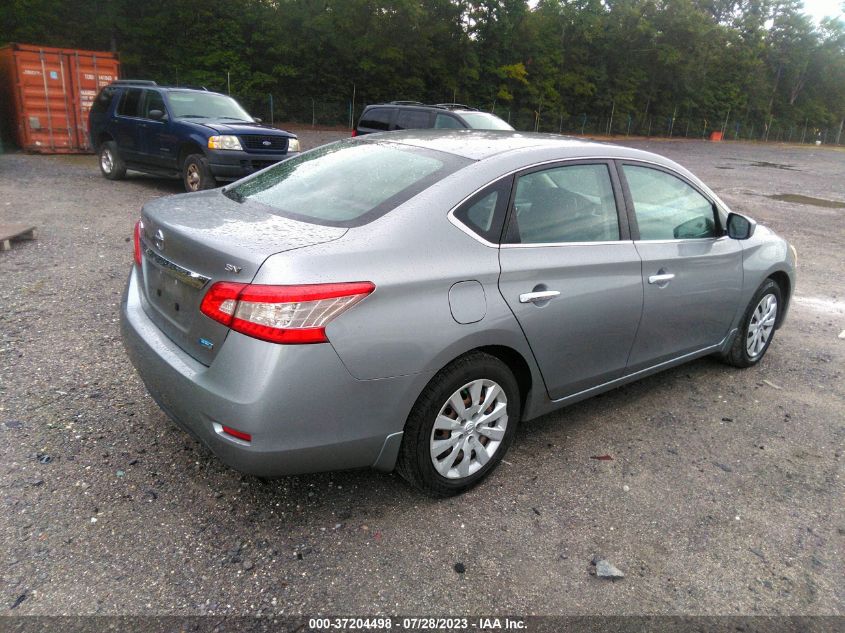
{"x": 228, "y": 83}
{"x": 839, "y": 133}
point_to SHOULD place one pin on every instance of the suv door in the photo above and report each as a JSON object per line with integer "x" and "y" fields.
{"x": 571, "y": 274}
{"x": 157, "y": 143}
{"x": 692, "y": 272}
{"x": 125, "y": 124}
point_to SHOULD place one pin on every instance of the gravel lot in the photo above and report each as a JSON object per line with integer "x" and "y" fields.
{"x": 724, "y": 494}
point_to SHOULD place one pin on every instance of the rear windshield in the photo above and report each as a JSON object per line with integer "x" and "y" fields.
{"x": 484, "y": 121}
{"x": 347, "y": 183}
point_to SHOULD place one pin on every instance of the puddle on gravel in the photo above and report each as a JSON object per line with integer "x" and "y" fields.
{"x": 826, "y": 305}
{"x": 816, "y": 202}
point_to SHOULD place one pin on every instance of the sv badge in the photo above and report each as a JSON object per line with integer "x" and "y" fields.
{"x": 231, "y": 268}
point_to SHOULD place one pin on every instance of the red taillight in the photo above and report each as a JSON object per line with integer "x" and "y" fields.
{"x": 246, "y": 437}
{"x": 139, "y": 229}
{"x": 282, "y": 314}
{"x": 354, "y": 132}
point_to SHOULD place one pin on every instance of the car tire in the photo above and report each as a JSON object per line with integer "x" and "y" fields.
{"x": 196, "y": 174}
{"x": 757, "y": 328}
{"x": 469, "y": 380}
{"x": 111, "y": 164}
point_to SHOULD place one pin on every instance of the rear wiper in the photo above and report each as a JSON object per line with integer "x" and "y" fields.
{"x": 231, "y": 118}
{"x": 233, "y": 195}
{"x": 193, "y": 116}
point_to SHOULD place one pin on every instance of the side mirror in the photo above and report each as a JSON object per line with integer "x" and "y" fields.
{"x": 256, "y": 119}
{"x": 740, "y": 227}
{"x": 157, "y": 115}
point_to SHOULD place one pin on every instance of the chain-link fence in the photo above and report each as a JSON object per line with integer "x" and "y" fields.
{"x": 697, "y": 126}
{"x": 343, "y": 114}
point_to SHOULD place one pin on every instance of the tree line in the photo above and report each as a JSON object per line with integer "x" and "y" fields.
{"x": 708, "y": 64}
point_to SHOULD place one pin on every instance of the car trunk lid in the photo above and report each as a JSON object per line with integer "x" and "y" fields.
{"x": 191, "y": 241}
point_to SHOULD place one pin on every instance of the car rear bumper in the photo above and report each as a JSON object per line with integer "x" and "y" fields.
{"x": 304, "y": 410}
{"x": 231, "y": 165}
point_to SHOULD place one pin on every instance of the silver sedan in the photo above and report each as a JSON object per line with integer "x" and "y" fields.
{"x": 404, "y": 300}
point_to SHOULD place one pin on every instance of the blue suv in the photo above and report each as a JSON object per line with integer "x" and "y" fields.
{"x": 201, "y": 136}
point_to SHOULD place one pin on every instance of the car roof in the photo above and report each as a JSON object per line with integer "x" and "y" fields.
{"x": 415, "y": 105}
{"x": 151, "y": 85}
{"x": 482, "y": 144}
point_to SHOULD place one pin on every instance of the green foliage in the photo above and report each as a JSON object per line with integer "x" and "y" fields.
{"x": 762, "y": 60}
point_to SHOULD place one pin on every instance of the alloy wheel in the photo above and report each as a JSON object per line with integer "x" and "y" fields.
{"x": 106, "y": 161}
{"x": 193, "y": 177}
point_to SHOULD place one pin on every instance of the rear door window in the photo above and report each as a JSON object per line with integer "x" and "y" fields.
{"x": 572, "y": 203}
{"x": 412, "y": 119}
{"x": 129, "y": 102}
{"x": 376, "y": 119}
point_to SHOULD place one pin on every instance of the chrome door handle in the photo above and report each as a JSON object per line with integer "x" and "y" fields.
{"x": 662, "y": 278}
{"x": 534, "y": 297}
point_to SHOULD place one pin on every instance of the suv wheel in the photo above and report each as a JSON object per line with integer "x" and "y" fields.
{"x": 111, "y": 164}
{"x": 196, "y": 175}
{"x": 461, "y": 426}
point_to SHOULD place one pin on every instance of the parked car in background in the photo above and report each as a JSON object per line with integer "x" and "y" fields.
{"x": 412, "y": 115}
{"x": 406, "y": 299}
{"x": 203, "y": 137}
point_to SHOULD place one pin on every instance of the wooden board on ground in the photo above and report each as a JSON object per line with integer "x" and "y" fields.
{"x": 12, "y": 232}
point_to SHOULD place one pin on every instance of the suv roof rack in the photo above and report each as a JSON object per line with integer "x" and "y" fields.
{"x": 189, "y": 87}
{"x": 454, "y": 106}
{"x": 405, "y": 103}
{"x": 133, "y": 82}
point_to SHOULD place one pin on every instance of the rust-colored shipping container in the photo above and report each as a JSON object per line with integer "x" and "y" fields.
{"x": 46, "y": 94}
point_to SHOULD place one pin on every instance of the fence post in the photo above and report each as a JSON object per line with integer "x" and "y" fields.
{"x": 672, "y": 122}
{"x": 839, "y": 133}
{"x": 272, "y": 120}
{"x": 352, "y": 110}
